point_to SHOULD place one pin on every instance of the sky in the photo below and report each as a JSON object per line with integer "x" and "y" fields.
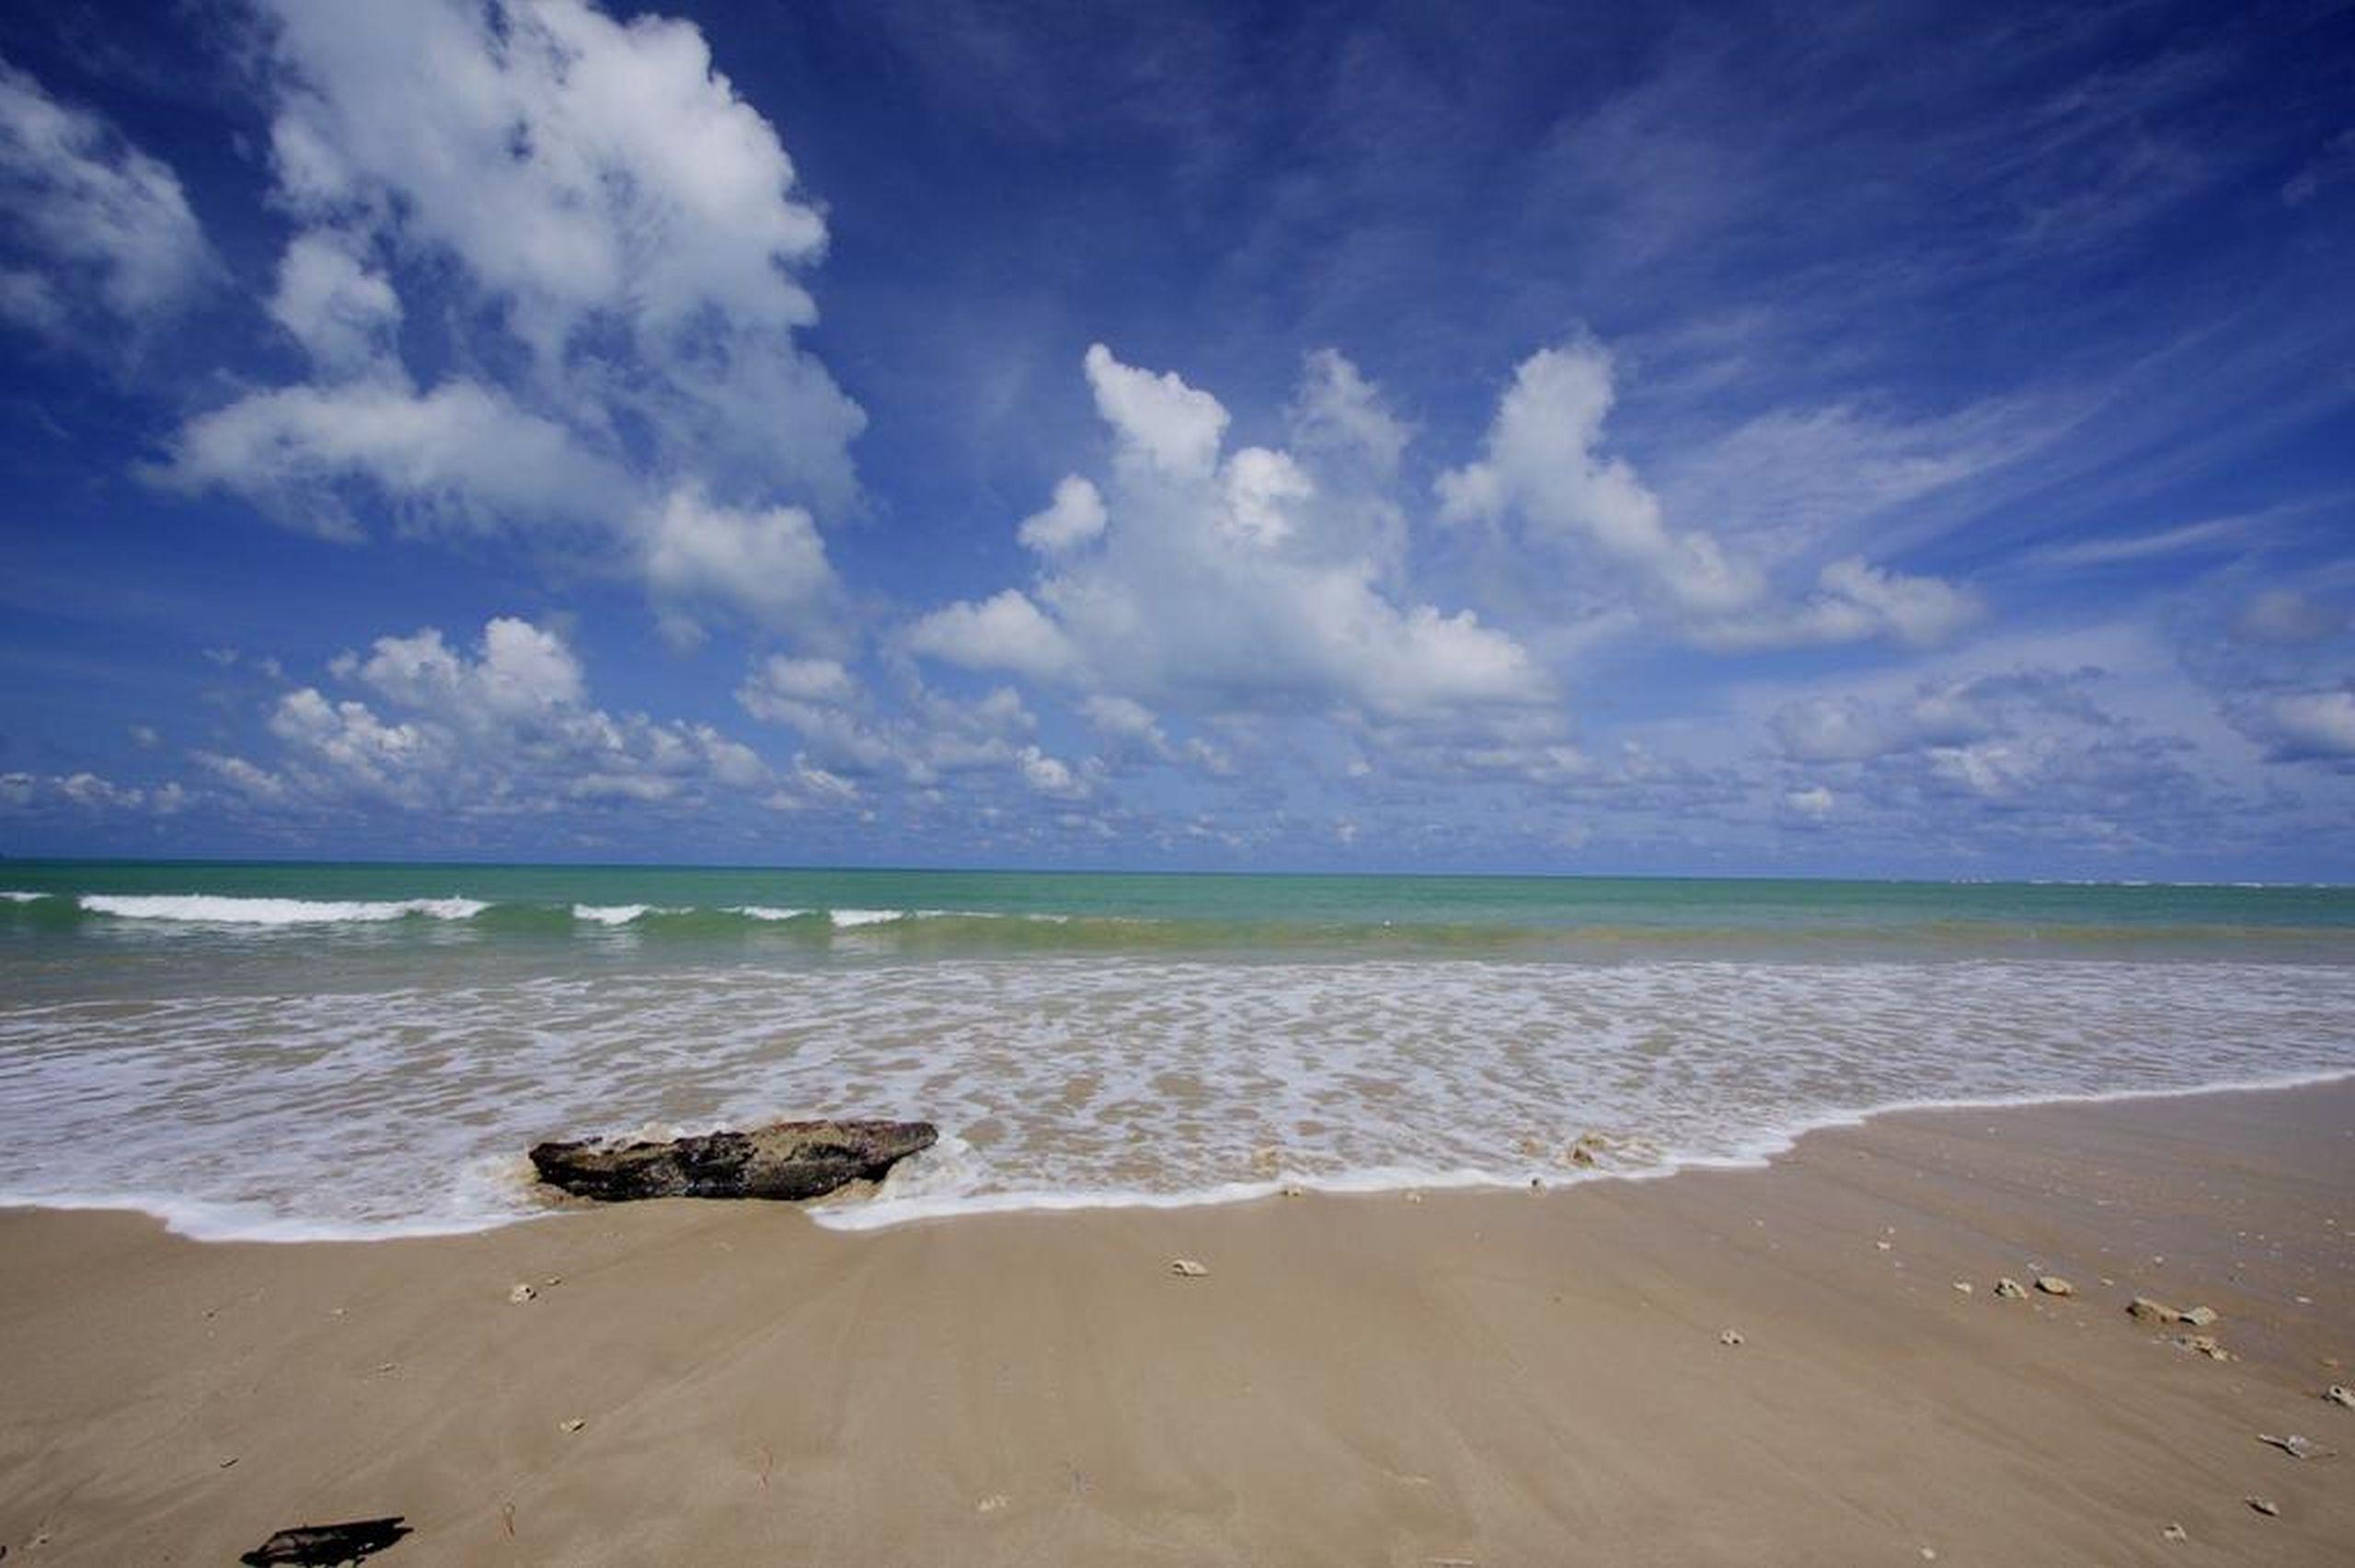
{"x": 1903, "y": 440}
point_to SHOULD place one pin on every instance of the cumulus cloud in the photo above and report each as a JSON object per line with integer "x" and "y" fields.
{"x": 1255, "y": 580}
{"x": 2057, "y": 758}
{"x": 1815, "y": 801}
{"x": 767, "y": 562}
{"x": 1853, "y": 601}
{"x": 85, "y": 793}
{"x": 341, "y": 310}
{"x": 2303, "y": 726}
{"x": 1160, "y": 420}
{"x": 847, "y": 732}
{"x": 613, "y": 240}
{"x": 505, "y": 727}
{"x": 1005, "y": 631}
{"x": 462, "y": 456}
{"x": 1937, "y": 715}
{"x": 1542, "y": 463}
{"x": 1071, "y": 518}
{"x": 88, "y": 221}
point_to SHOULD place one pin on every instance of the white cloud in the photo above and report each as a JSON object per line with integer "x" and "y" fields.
{"x": 1253, "y": 582}
{"x": 1542, "y": 463}
{"x": 768, "y": 563}
{"x": 599, "y": 217}
{"x": 1006, "y": 631}
{"x": 804, "y": 681}
{"x": 930, "y": 740}
{"x": 1854, "y": 729}
{"x": 1075, "y": 517}
{"x": 1816, "y": 801}
{"x": 1262, "y": 488}
{"x": 1130, "y": 726}
{"x": 2306, "y": 726}
{"x": 462, "y": 456}
{"x": 1338, "y": 410}
{"x": 505, "y": 727}
{"x": 88, "y": 793}
{"x": 342, "y": 310}
{"x": 105, "y": 225}
{"x": 1158, "y": 419}
{"x": 249, "y": 779}
{"x": 1853, "y": 601}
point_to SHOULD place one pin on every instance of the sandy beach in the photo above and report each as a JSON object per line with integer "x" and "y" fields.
{"x": 1432, "y": 1378}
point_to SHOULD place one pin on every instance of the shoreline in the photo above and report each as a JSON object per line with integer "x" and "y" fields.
{"x": 1482, "y": 1377}
{"x": 882, "y": 1212}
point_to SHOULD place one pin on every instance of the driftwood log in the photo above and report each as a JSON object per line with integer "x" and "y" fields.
{"x": 318, "y": 1546}
{"x": 788, "y": 1160}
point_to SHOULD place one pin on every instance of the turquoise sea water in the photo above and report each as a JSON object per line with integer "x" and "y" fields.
{"x": 365, "y": 1049}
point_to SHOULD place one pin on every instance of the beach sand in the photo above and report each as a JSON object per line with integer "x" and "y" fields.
{"x": 1490, "y": 1378}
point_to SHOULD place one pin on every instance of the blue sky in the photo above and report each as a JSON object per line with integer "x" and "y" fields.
{"x": 1694, "y": 440}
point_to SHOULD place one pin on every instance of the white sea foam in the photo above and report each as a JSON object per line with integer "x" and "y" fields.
{"x": 610, "y": 914}
{"x": 850, "y": 918}
{"x": 274, "y": 1108}
{"x": 208, "y": 909}
{"x": 766, "y": 912}
{"x": 21, "y": 897}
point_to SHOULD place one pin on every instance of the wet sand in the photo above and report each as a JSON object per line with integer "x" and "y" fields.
{"x": 1486, "y": 1378}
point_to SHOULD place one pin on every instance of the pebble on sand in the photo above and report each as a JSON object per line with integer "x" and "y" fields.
{"x": 2175, "y": 1532}
{"x": 1731, "y": 1337}
{"x": 2265, "y": 1505}
{"x": 2200, "y": 1317}
{"x": 2053, "y": 1285}
{"x": 1187, "y": 1268}
{"x": 521, "y": 1294}
{"x": 574, "y": 1424}
{"x": 2010, "y": 1289}
{"x": 1963, "y": 1286}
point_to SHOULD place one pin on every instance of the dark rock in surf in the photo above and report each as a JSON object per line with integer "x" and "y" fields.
{"x": 788, "y": 1160}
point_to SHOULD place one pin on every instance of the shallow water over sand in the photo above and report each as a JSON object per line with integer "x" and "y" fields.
{"x": 344, "y": 1052}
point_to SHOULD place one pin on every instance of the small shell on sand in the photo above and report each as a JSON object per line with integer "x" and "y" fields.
{"x": 1963, "y": 1286}
{"x": 574, "y": 1424}
{"x": 2337, "y": 1395}
{"x": 1731, "y": 1337}
{"x": 2010, "y": 1289}
{"x": 2053, "y": 1285}
{"x": 1187, "y": 1268}
{"x": 2265, "y": 1505}
{"x": 521, "y": 1294}
{"x": 2175, "y": 1532}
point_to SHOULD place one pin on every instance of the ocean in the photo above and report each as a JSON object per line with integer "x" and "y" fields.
{"x": 289, "y": 1051}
